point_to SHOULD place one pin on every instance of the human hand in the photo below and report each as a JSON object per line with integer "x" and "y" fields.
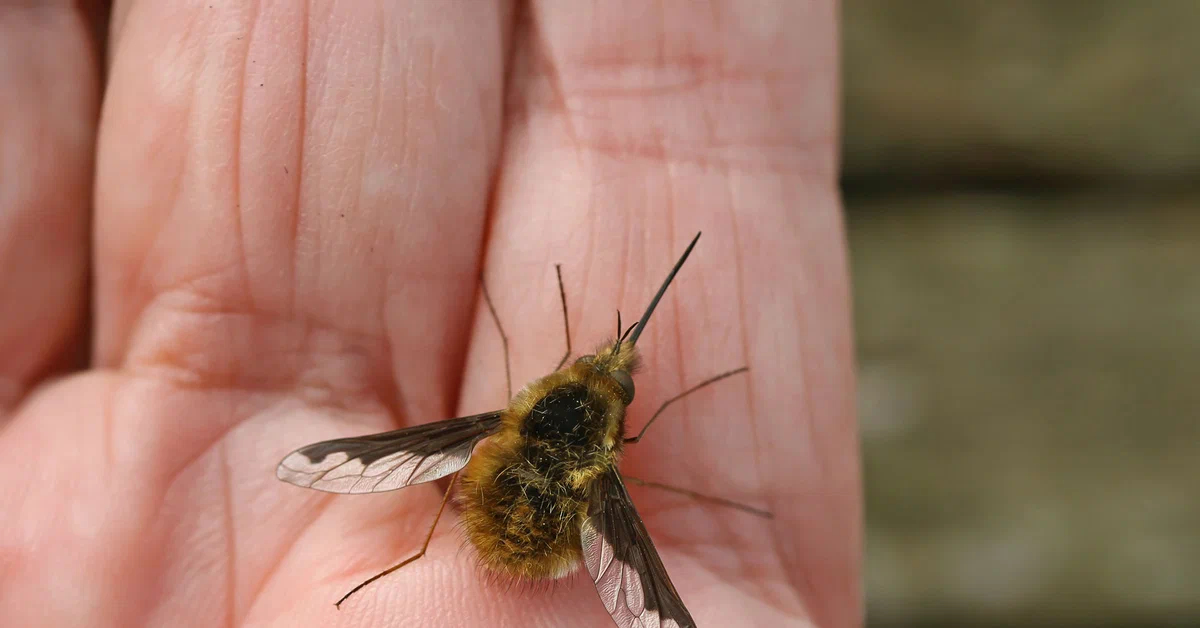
{"x": 292, "y": 208}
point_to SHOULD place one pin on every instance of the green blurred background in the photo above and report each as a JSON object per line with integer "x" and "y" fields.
{"x": 1021, "y": 181}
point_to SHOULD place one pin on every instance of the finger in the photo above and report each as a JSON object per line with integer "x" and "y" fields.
{"x": 295, "y": 176}
{"x": 291, "y": 201}
{"x": 49, "y": 90}
{"x": 632, "y": 127}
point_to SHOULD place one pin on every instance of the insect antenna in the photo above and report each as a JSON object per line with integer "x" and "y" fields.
{"x": 627, "y": 331}
{"x": 640, "y": 326}
{"x": 621, "y": 336}
{"x": 617, "y": 342}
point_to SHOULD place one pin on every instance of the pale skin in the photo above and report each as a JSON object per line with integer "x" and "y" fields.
{"x": 285, "y": 209}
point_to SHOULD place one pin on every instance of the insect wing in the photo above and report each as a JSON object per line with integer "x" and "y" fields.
{"x": 623, "y": 563}
{"x": 388, "y": 461}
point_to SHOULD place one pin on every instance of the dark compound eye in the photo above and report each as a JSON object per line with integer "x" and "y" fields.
{"x": 626, "y": 383}
{"x": 586, "y": 359}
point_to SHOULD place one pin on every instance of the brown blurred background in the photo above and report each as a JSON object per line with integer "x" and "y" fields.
{"x": 1022, "y": 181}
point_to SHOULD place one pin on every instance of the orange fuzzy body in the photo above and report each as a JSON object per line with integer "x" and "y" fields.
{"x": 525, "y": 492}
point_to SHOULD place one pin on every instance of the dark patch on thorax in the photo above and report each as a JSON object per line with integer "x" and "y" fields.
{"x": 567, "y": 425}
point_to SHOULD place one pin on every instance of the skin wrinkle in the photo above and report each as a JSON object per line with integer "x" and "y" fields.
{"x": 540, "y": 56}
{"x": 163, "y": 484}
{"x": 785, "y": 163}
{"x": 210, "y": 285}
{"x": 296, "y": 377}
{"x": 773, "y": 504}
{"x": 323, "y": 500}
{"x": 311, "y": 324}
{"x": 663, "y": 27}
{"x": 230, "y": 536}
{"x": 142, "y": 283}
{"x": 172, "y": 472}
{"x": 410, "y": 160}
{"x": 298, "y": 175}
{"x": 679, "y": 74}
{"x": 708, "y": 72}
{"x": 431, "y": 82}
{"x": 394, "y": 402}
{"x": 108, "y": 419}
{"x": 814, "y": 434}
{"x": 139, "y": 279}
{"x": 355, "y": 192}
{"x": 217, "y": 447}
{"x": 812, "y": 582}
{"x": 490, "y": 94}
{"x": 236, "y": 158}
{"x": 137, "y": 286}
{"x": 377, "y": 104}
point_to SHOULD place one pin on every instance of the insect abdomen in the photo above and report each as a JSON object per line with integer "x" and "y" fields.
{"x": 525, "y": 491}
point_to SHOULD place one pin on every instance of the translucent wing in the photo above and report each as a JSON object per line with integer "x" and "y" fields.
{"x": 629, "y": 576}
{"x": 388, "y": 461}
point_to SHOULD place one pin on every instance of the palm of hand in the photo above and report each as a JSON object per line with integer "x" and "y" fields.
{"x": 291, "y": 214}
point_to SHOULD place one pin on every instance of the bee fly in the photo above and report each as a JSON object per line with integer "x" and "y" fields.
{"x": 543, "y": 491}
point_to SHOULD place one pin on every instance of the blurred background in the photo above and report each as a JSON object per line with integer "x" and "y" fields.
{"x": 1021, "y": 181}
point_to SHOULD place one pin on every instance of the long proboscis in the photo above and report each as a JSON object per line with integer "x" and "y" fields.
{"x": 641, "y": 324}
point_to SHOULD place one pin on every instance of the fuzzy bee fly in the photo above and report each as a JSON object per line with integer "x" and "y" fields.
{"x": 542, "y": 492}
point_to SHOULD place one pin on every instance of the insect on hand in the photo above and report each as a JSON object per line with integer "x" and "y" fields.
{"x": 543, "y": 490}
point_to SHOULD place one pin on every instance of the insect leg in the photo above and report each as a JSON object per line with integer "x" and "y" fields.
{"x": 562, "y": 294}
{"x": 487, "y": 298}
{"x": 711, "y": 380}
{"x": 721, "y": 501}
{"x": 412, "y": 558}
